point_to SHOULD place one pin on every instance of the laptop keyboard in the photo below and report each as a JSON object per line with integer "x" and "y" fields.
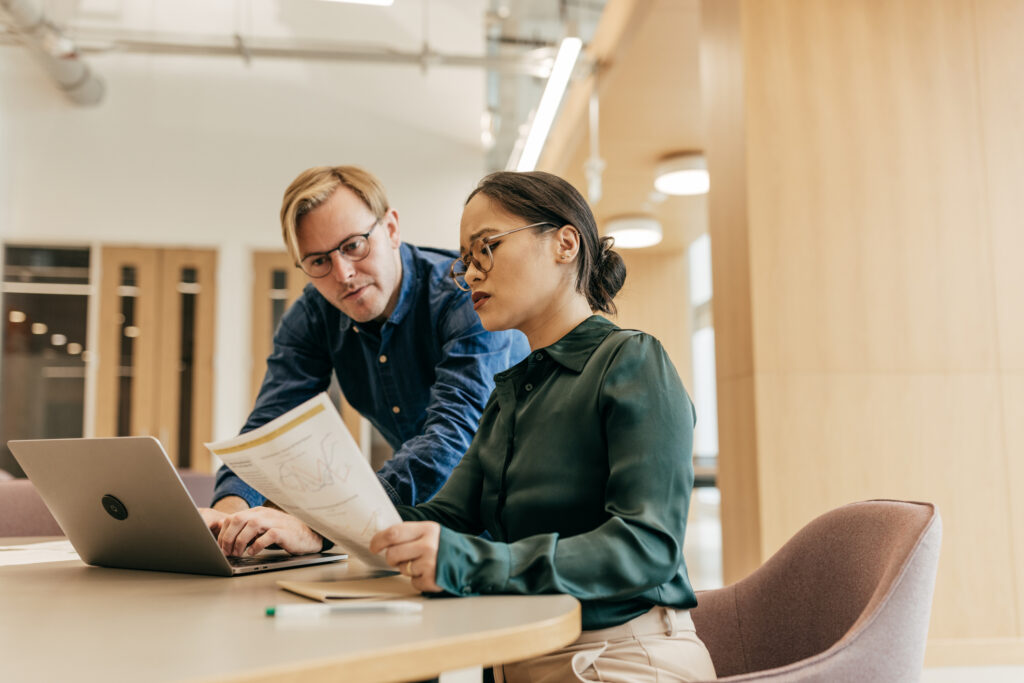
{"x": 249, "y": 561}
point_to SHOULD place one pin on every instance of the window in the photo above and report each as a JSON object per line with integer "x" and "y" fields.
{"x": 45, "y": 352}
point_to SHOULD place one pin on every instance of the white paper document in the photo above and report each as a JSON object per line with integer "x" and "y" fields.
{"x": 37, "y": 553}
{"x": 307, "y": 463}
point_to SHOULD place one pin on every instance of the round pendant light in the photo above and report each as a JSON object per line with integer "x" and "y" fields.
{"x": 682, "y": 174}
{"x": 634, "y": 232}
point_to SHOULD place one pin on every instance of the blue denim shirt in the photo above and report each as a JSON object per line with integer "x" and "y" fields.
{"x": 422, "y": 378}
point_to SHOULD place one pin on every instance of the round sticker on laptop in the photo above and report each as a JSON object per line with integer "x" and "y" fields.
{"x": 114, "y": 507}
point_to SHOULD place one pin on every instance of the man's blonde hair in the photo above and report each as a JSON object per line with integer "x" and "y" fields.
{"x": 314, "y": 186}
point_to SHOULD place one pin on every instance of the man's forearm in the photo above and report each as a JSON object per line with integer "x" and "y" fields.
{"x": 230, "y": 504}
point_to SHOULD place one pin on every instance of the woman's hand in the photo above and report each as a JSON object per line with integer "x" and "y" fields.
{"x": 411, "y": 548}
{"x": 250, "y": 531}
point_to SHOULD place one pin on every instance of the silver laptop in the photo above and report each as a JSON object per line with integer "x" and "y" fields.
{"x": 122, "y": 504}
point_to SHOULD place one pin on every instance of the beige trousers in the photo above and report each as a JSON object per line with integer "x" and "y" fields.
{"x": 660, "y": 645}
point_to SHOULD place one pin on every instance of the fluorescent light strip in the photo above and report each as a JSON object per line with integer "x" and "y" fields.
{"x": 558, "y": 81}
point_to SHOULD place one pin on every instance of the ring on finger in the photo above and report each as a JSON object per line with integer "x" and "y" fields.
{"x": 408, "y": 568}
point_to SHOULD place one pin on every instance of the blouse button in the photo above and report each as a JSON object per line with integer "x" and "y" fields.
{"x": 529, "y": 387}
{"x": 396, "y": 410}
{"x": 538, "y": 355}
{"x": 383, "y": 359}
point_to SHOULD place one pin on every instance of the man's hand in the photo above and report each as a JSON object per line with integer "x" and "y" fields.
{"x": 411, "y": 547}
{"x": 222, "y": 508}
{"x": 250, "y": 531}
{"x": 213, "y": 519}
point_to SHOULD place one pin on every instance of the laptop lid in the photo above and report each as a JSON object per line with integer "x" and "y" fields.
{"x": 122, "y": 504}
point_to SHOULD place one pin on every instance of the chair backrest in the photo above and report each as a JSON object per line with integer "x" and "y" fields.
{"x": 847, "y": 598}
{"x": 23, "y": 512}
{"x": 199, "y": 485}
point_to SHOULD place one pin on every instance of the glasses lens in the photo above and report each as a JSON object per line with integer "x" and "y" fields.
{"x": 482, "y": 256}
{"x": 317, "y": 266}
{"x": 458, "y": 274}
{"x": 356, "y": 249}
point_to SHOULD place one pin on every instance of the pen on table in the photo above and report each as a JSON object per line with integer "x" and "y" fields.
{"x": 323, "y": 609}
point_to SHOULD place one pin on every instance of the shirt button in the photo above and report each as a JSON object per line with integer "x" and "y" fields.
{"x": 538, "y": 355}
{"x": 396, "y": 410}
{"x": 529, "y": 387}
{"x": 383, "y": 359}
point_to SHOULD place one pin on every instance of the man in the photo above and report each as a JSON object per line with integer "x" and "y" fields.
{"x": 403, "y": 341}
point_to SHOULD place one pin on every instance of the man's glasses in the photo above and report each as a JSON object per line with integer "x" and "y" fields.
{"x": 352, "y": 249}
{"x": 481, "y": 256}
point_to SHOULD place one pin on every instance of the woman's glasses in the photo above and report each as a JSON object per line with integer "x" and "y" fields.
{"x": 481, "y": 256}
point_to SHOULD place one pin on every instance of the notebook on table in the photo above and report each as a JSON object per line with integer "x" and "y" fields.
{"x": 122, "y": 504}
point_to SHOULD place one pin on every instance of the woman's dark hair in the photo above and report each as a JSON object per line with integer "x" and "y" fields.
{"x": 540, "y": 197}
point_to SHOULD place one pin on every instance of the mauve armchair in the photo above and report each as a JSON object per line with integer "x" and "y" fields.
{"x": 848, "y": 598}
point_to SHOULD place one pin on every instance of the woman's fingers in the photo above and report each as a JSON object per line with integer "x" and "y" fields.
{"x": 411, "y": 547}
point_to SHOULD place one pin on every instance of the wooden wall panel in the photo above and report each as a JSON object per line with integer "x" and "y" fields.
{"x": 1013, "y": 409}
{"x": 722, "y": 75}
{"x": 827, "y": 439}
{"x": 866, "y": 160}
{"x": 655, "y": 299}
{"x": 868, "y": 217}
{"x": 1000, "y": 24}
{"x": 739, "y": 477}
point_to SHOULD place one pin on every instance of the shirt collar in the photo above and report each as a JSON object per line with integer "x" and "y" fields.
{"x": 575, "y": 349}
{"x": 406, "y": 293}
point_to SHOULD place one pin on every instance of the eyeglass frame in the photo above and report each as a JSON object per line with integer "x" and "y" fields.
{"x": 485, "y": 241}
{"x": 342, "y": 254}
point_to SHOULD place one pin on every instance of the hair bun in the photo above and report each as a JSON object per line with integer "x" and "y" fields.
{"x": 609, "y": 277}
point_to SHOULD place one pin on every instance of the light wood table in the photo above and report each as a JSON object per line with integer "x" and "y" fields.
{"x": 68, "y": 621}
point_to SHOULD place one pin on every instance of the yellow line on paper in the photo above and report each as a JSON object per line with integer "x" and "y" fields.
{"x": 314, "y": 411}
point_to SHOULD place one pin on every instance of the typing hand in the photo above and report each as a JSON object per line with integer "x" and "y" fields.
{"x": 411, "y": 548}
{"x": 251, "y": 531}
{"x": 213, "y": 519}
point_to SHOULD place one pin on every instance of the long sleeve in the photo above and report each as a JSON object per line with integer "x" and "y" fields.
{"x": 463, "y": 379}
{"x": 298, "y": 369}
{"x": 630, "y": 415}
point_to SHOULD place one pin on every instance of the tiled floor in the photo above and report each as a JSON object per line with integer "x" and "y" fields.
{"x": 974, "y": 674}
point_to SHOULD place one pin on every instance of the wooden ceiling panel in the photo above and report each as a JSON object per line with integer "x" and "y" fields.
{"x": 649, "y": 94}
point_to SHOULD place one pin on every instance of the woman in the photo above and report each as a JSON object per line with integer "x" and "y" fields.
{"x": 581, "y": 468}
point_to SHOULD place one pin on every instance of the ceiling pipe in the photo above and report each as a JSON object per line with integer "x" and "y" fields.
{"x": 55, "y": 51}
{"x": 108, "y": 41}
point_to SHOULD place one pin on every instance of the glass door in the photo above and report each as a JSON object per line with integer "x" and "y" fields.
{"x": 156, "y": 341}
